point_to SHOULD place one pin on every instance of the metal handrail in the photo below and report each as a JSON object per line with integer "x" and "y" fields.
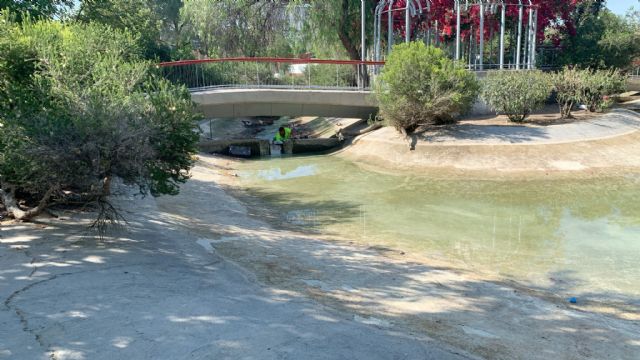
{"x": 267, "y": 72}
{"x": 270, "y": 60}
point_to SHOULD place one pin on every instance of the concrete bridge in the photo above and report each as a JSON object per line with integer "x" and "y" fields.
{"x": 242, "y": 102}
{"x": 239, "y": 87}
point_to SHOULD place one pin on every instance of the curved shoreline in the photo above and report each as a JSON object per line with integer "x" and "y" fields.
{"x": 389, "y": 289}
{"x": 607, "y": 145}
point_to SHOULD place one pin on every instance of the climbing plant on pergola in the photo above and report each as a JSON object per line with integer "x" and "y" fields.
{"x": 465, "y": 27}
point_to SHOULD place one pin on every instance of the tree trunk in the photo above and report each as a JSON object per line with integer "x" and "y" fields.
{"x": 349, "y": 44}
{"x": 565, "y": 110}
{"x": 106, "y": 186}
{"x": 8, "y": 198}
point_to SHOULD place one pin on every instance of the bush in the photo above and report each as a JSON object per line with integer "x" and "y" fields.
{"x": 568, "y": 85}
{"x": 420, "y": 85}
{"x": 516, "y": 93}
{"x": 78, "y": 108}
{"x": 591, "y": 88}
{"x": 599, "y": 85}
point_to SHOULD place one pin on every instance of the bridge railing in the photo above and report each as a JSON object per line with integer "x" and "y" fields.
{"x": 270, "y": 73}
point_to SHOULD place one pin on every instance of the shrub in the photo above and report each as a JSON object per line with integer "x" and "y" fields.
{"x": 593, "y": 88}
{"x": 420, "y": 85}
{"x": 78, "y": 108}
{"x": 516, "y": 93}
{"x": 568, "y": 85}
{"x": 599, "y": 85}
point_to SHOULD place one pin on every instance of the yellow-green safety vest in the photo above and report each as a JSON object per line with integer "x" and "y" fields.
{"x": 287, "y": 135}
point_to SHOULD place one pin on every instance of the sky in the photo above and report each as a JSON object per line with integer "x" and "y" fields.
{"x": 620, "y": 7}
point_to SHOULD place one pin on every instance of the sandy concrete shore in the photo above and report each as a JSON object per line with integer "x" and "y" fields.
{"x": 160, "y": 290}
{"x": 602, "y": 145}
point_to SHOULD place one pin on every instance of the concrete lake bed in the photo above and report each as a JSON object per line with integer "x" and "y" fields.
{"x": 319, "y": 257}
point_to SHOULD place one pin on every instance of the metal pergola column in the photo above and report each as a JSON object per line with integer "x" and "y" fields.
{"x": 524, "y": 42}
{"x": 503, "y": 12}
{"x": 519, "y": 41}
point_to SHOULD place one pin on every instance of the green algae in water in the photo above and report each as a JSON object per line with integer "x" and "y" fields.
{"x": 578, "y": 236}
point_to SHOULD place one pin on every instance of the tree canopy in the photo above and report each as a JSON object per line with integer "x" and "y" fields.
{"x": 139, "y": 17}
{"x": 601, "y": 39}
{"x": 79, "y": 107}
{"x": 237, "y": 27}
{"x": 35, "y": 8}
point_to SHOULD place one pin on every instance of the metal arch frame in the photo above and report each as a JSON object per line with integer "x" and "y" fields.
{"x": 415, "y": 6}
{"x": 412, "y": 8}
{"x": 530, "y": 41}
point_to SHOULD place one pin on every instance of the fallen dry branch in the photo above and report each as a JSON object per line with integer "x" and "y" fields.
{"x": 8, "y": 198}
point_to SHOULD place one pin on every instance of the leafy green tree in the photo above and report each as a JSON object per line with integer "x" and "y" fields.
{"x": 172, "y": 24}
{"x": 333, "y": 28}
{"x": 420, "y": 86}
{"x": 620, "y": 43}
{"x": 35, "y": 8}
{"x": 238, "y": 27}
{"x": 337, "y": 21}
{"x": 78, "y": 108}
{"x": 516, "y": 93}
{"x": 601, "y": 39}
{"x": 136, "y": 16}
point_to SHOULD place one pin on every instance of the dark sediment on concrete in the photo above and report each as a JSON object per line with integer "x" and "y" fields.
{"x": 259, "y": 148}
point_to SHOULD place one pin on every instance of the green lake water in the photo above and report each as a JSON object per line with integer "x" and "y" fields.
{"x": 577, "y": 237}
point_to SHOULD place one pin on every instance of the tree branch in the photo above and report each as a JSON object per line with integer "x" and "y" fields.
{"x": 11, "y": 204}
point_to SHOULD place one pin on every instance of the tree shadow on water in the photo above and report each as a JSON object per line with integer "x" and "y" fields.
{"x": 290, "y": 211}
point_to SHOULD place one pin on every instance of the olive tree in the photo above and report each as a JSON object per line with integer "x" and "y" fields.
{"x": 420, "y": 85}
{"x": 78, "y": 108}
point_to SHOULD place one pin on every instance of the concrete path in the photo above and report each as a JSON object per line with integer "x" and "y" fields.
{"x": 154, "y": 292}
{"x": 616, "y": 123}
{"x": 592, "y": 147}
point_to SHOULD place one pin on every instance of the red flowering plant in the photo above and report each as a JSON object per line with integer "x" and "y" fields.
{"x": 551, "y": 14}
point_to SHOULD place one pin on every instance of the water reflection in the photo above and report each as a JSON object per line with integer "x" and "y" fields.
{"x": 277, "y": 173}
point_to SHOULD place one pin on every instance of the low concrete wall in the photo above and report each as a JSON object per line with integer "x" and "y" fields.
{"x": 258, "y": 147}
{"x": 633, "y": 84}
{"x": 262, "y": 147}
{"x": 301, "y": 146}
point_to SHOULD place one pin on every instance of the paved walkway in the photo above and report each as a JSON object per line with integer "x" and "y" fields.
{"x": 618, "y": 122}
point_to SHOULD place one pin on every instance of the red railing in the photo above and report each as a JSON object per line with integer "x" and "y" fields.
{"x": 271, "y": 60}
{"x": 269, "y": 72}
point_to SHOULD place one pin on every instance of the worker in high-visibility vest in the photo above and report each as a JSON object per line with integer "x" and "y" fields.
{"x": 283, "y": 134}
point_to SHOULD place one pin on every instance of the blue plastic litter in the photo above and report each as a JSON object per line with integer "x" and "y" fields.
{"x": 573, "y": 300}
